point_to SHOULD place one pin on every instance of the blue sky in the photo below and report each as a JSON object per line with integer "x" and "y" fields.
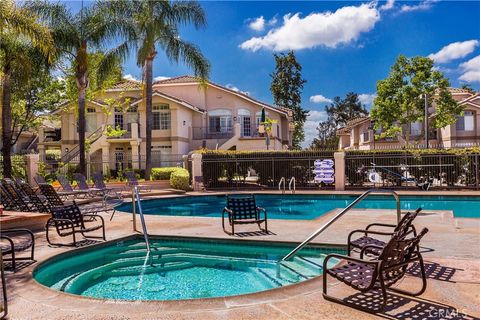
{"x": 342, "y": 46}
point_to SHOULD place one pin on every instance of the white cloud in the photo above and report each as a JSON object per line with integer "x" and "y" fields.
{"x": 311, "y": 124}
{"x": 388, "y": 5}
{"x": 130, "y": 77}
{"x": 366, "y": 98}
{"x": 320, "y": 99}
{"x": 159, "y": 78}
{"x": 272, "y": 21}
{"x": 423, "y": 5}
{"x": 471, "y": 70}
{"x": 258, "y": 24}
{"x": 455, "y": 50}
{"x": 327, "y": 28}
{"x": 236, "y": 89}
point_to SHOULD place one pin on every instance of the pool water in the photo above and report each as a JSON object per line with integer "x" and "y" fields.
{"x": 179, "y": 269}
{"x": 306, "y": 207}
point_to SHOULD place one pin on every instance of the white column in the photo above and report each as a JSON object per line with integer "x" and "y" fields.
{"x": 339, "y": 158}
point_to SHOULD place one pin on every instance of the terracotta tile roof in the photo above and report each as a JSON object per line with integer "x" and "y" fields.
{"x": 459, "y": 90}
{"x": 179, "y": 79}
{"x": 343, "y": 130}
{"x": 193, "y": 79}
{"x": 358, "y": 121}
{"x": 126, "y": 85}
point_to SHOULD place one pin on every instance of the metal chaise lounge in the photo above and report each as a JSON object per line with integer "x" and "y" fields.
{"x": 381, "y": 273}
{"x": 39, "y": 201}
{"x": 14, "y": 198}
{"x": 133, "y": 182}
{"x": 402, "y": 229}
{"x": 54, "y": 201}
{"x": 243, "y": 210}
{"x": 69, "y": 220}
{"x": 68, "y": 189}
{"x": 83, "y": 186}
{"x": 14, "y": 241}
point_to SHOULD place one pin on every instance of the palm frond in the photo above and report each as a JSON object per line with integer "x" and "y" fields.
{"x": 110, "y": 61}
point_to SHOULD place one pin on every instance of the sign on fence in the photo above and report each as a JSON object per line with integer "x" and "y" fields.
{"x": 324, "y": 172}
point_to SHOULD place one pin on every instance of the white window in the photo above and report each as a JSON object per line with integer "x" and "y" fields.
{"x": 91, "y": 120}
{"x": 416, "y": 128}
{"x": 161, "y": 117}
{"x": 365, "y": 136}
{"x": 220, "y": 121}
{"x": 467, "y": 122}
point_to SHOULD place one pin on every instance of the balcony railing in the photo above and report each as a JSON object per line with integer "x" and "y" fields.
{"x": 201, "y": 133}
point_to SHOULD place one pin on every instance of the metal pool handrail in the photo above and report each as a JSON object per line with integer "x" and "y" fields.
{"x": 282, "y": 181}
{"x": 341, "y": 213}
{"x": 292, "y": 180}
{"x": 136, "y": 200}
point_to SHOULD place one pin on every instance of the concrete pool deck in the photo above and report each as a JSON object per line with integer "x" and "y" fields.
{"x": 451, "y": 252}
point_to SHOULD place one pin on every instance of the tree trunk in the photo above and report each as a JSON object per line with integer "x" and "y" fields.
{"x": 148, "y": 114}
{"x": 82, "y": 84}
{"x": 6, "y": 122}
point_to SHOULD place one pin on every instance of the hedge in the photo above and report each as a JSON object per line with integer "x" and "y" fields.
{"x": 180, "y": 179}
{"x": 163, "y": 173}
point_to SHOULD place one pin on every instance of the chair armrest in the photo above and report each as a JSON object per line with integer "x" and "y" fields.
{"x": 55, "y": 220}
{"x": 348, "y": 258}
{"x": 366, "y": 232}
{"x": 380, "y": 225}
{"x": 227, "y": 210}
{"x": 94, "y": 216}
{"x": 18, "y": 231}
{"x": 260, "y": 209}
{"x": 368, "y": 246}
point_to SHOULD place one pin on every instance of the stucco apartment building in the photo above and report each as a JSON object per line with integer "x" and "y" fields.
{"x": 359, "y": 134}
{"x": 187, "y": 115}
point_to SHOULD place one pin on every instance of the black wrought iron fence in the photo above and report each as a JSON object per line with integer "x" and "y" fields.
{"x": 409, "y": 170}
{"x": 260, "y": 170}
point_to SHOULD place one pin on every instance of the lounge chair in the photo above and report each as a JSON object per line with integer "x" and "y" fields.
{"x": 14, "y": 241}
{"x": 39, "y": 179}
{"x": 14, "y": 198}
{"x": 402, "y": 229}
{"x": 243, "y": 210}
{"x": 133, "y": 182}
{"x": 68, "y": 189}
{"x": 100, "y": 184}
{"x": 83, "y": 185}
{"x": 69, "y": 220}
{"x": 39, "y": 201}
{"x": 54, "y": 201}
{"x": 381, "y": 273}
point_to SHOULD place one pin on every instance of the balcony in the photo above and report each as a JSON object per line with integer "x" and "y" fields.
{"x": 132, "y": 133}
{"x": 201, "y": 133}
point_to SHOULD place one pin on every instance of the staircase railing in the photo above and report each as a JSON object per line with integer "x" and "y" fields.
{"x": 69, "y": 156}
{"x": 340, "y": 214}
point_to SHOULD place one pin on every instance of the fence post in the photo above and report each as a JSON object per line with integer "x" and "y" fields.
{"x": 339, "y": 158}
{"x": 196, "y": 169}
{"x": 31, "y": 167}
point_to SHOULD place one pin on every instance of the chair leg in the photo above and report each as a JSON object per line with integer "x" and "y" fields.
{"x": 113, "y": 213}
{"x": 424, "y": 282}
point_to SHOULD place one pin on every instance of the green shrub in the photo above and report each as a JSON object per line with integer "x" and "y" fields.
{"x": 163, "y": 173}
{"x": 180, "y": 179}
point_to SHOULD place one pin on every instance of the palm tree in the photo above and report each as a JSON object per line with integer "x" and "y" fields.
{"x": 74, "y": 34}
{"x": 150, "y": 25}
{"x": 20, "y": 36}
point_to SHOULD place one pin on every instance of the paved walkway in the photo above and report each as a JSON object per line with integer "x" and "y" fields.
{"x": 451, "y": 250}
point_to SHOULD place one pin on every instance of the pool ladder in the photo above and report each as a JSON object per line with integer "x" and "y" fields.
{"x": 136, "y": 201}
{"x": 291, "y": 184}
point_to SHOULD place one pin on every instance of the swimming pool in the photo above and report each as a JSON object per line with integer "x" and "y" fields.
{"x": 305, "y": 207}
{"x": 179, "y": 268}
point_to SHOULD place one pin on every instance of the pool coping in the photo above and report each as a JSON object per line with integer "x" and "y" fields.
{"x": 252, "y": 298}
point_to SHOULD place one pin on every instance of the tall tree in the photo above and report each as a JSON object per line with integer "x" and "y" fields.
{"x": 286, "y": 88}
{"x": 153, "y": 25}
{"x": 20, "y": 35}
{"x": 400, "y": 97}
{"x": 339, "y": 112}
{"x": 75, "y": 33}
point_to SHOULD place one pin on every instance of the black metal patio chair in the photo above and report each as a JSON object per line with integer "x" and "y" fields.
{"x": 13, "y": 241}
{"x": 39, "y": 201}
{"x": 242, "y": 209}
{"x": 402, "y": 229}
{"x": 14, "y": 198}
{"x": 69, "y": 220}
{"x": 381, "y": 273}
